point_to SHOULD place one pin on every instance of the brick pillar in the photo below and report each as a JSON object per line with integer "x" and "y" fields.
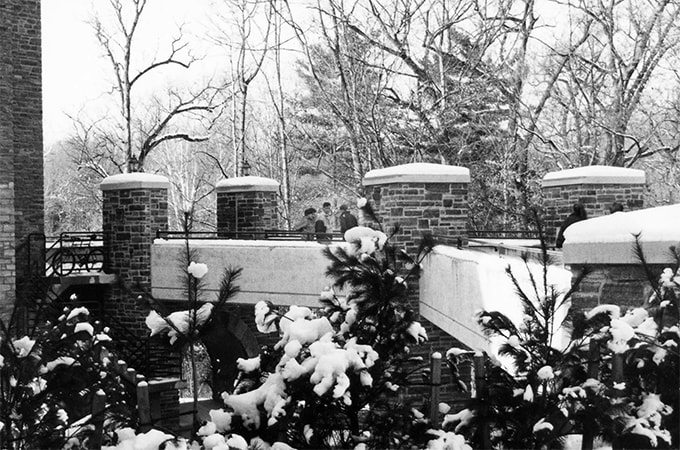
{"x": 422, "y": 198}
{"x": 135, "y": 206}
{"x": 596, "y": 187}
{"x": 604, "y": 246}
{"x": 21, "y": 151}
{"x": 246, "y": 204}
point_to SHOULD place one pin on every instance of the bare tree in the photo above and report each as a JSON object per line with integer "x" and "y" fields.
{"x": 191, "y": 198}
{"x": 138, "y": 133}
{"x": 237, "y": 28}
{"x": 605, "y": 95}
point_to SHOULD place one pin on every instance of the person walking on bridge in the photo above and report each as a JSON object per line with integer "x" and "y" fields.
{"x": 578, "y": 214}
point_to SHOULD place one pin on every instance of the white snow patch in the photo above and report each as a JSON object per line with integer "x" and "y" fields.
{"x": 655, "y": 224}
{"x": 75, "y": 312}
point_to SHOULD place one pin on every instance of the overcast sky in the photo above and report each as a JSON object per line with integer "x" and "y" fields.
{"x": 74, "y": 70}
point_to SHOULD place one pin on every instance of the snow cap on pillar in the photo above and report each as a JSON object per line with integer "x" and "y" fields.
{"x": 418, "y": 173}
{"x": 594, "y": 175}
{"x": 247, "y": 184}
{"x": 422, "y": 198}
{"x": 596, "y": 188}
{"x": 135, "y": 180}
{"x": 246, "y": 204}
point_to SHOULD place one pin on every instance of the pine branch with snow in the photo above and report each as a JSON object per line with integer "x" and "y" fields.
{"x": 334, "y": 378}
{"x": 49, "y": 379}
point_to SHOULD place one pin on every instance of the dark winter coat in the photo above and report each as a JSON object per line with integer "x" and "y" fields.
{"x": 571, "y": 219}
{"x": 347, "y": 221}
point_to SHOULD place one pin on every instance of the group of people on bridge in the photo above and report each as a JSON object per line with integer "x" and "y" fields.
{"x": 319, "y": 224}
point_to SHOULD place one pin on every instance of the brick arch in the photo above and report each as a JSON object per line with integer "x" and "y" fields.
{"x": 226, "y": 339}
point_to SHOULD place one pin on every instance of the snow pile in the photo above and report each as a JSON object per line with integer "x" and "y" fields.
{"x": 180, "y": 320}
{"x": 151, "y": 440}
{"x": 197, "y": 270}
{"x": 270, "y": 395}
{"x": 417, "y": 331}
{"x": 654, "y": 224}
{"x": 75, "y": 312}
{"x": 648, "y": 420}
{"x": 221, "y": 419}
{"x": 447, "y": 441}
{"x": 542, "y": 425}
{"x": 248, "y": 365}
{"x": 365, "y": 240}
{"x": 264, "y": 319}
{"x": 463, "y": 417}
{"x": 61, "y": 360}
{"x": 23, "y": 346}
{"x": 621, "y": 333}
{"x": 297, "y": 325}
{"x": 332, "y": 364}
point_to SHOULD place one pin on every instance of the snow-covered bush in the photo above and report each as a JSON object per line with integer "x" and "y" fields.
{"x": 615, "y": 378}
{"x": 334, "y": 378}
{"x": 48, "y": 382}
{"x": 185, "y": 328}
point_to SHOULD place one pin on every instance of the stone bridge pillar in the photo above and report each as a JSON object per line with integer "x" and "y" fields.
{"x": 420, "y": 197}
{"x": 135, "y": 206}
{"x": 604, "y": 247}
{"x": 595, "y": 187}
{"x": 246, "y": 204}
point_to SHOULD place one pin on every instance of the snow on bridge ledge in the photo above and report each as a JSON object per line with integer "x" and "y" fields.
{"x": 609, "y": 239}
{"x": 418, "y": 173}
{"x": 594, "y": 175}
{"x": 456, "y": 283}
{"x": 247, "y": 184}
{"x": 135, "y": 180}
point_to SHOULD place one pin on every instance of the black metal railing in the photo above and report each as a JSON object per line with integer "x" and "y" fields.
{"x": 75, "y": 252}
{"x": 503, "y": 234}
{"x": 274, "y": 235}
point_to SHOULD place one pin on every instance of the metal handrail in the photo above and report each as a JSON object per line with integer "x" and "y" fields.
{"x": 274, "y": 235}
{"x": 503, "y": 234}
{"x": 75, "y": 252}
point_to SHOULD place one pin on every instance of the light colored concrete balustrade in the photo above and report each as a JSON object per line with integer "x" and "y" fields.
{"x": 285, "y": 273}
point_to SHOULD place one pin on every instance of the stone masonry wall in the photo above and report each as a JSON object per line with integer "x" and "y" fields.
{"x": 21, "y": 177}
{"x": 620, "y": 284}
{"x": 131, "y": 218}
{"x": 597, "y": 198}
{"x": 246, "y": 211}
{"x": 438, "y": 208}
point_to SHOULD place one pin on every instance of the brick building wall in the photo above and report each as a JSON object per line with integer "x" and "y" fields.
{"x": 595, "y": 187}
{"x": 134, "y": 207}
{"x": 246, "y": 204}
{"x": 7, "y": 245}
{"x": 21, "y": 177}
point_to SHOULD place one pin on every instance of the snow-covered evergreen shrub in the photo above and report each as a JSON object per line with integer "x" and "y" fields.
{"x": 48, "y": 380}
{"x": 544, "y": 392}
{"x": 334, "y": 378}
